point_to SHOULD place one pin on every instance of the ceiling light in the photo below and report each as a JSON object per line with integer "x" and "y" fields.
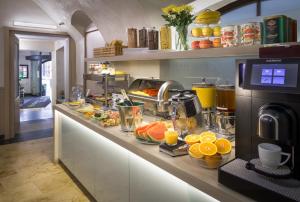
{"x": 34, "y": 25}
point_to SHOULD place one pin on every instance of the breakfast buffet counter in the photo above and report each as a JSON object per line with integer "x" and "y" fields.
{"x": 113, "y": 166}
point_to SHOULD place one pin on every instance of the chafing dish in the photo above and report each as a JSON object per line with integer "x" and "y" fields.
{"x": 154, "y": 93}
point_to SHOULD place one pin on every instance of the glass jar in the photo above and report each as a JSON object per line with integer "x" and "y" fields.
{"x": 225, "y": 98}
{"x": 153, "y": 39}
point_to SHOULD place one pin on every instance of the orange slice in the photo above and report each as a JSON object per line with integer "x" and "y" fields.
{"x": 192, "y": 139}
{"x": 208, "y": 133}
{"x": 208, "y": 136}
{"x": 223, "y": 146}
{"x": 194, "y": 151}
{"x": 208, "y": 148}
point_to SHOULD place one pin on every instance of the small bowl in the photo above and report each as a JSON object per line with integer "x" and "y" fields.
{"x": 212, "y": 162}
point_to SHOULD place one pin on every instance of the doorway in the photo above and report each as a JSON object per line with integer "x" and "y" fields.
{"x": 44, "y": 73}
{"x": 32, "y": 84}
{"x": 35, "y": 78}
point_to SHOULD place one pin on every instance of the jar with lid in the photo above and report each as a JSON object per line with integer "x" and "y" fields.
{"x": 143, "y": 38}
{"x": 225, "y": 94}
{"x": 153, "y": 39}
{"x": 132, "y": 38}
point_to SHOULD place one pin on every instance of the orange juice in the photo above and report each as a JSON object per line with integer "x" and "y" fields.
{"x": 171, "y": 137}
{"x": 206, "y": 94}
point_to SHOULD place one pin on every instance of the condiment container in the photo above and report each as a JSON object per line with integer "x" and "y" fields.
{"x": 165, "y": 37}
{"x": 230, "y": 36}
{"x": 225, "y": 98}
{"x": 250, "y": 34}
{"x": 143, "y": 38}
{"x": 206, "y": 93}
{"x": 132, "y": 38}
{"x": 153, "y": 39}
{"x": 275, "y": 29}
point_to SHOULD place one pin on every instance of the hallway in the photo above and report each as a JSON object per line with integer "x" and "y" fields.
{"x": 27, "y": 173}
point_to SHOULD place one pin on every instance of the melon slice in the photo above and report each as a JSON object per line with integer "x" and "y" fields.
{"x": 142, "y": 131}
{"x": 157, "y": 132}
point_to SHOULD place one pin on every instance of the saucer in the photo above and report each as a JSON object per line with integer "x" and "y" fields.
{"x": 282, "y": 171}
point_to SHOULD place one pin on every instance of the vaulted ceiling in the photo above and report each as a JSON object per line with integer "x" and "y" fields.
{"x": 112, "y": 17}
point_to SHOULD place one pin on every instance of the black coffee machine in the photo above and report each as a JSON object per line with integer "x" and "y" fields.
{"x": 267, "y": 110}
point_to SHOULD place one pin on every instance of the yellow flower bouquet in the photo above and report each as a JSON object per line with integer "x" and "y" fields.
{"x": 179, "y": 17}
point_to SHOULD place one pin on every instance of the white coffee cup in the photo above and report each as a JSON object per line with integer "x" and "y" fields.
{"x": 270, "y": 155}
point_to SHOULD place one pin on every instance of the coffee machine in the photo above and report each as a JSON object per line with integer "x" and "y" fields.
{"x": 267, "y": 111}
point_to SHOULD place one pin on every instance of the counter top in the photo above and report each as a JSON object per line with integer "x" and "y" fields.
{"x": 183, "y": 167}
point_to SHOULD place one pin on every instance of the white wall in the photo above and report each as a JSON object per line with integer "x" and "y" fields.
{"x": 139, "y": 69}
{"x": 36, "y": 45}
{"x": 65, "y": 45}
{"x": 79, "y": 61}
{"x": 60, "y": 86}
{"x": 94, "y": 40}
{"x": 1, "y": 58}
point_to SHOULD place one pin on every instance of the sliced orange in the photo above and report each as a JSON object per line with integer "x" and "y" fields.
{"x": 194, "y": 151}
{"x": 208, "y": 148}
{"x": 208, "y": 133}
{"x": 223, "y": 146}
{"x": 192, "y": 139}
{"x": 208, "y": 136}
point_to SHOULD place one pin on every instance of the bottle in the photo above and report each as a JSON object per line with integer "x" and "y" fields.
{"x": 165, "y": 37}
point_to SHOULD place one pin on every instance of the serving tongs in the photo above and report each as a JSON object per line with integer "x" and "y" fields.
{"x": 127, "y": 100}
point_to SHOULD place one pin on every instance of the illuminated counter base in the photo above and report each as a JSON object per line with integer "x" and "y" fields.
{"x": 114, "y": 167}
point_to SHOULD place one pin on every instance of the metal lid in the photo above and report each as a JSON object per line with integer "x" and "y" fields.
{"x": 226, "y": 86}
{"x": 203, "y": 84}
{"x": 183, "y": 96}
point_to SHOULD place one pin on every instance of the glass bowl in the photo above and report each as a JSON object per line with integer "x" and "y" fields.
{"x": 212, "y": 162}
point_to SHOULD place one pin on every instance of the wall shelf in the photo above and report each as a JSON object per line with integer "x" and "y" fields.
{"x": 144, "y": 54}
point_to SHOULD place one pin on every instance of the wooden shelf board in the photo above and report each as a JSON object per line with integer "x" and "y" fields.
{"x": 190, "y": 54}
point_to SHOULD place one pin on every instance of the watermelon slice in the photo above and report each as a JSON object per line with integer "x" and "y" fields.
{"x": 141, "y": 132}
{"x": 157, "y": 132}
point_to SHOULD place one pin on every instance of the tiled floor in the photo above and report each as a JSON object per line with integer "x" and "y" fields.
{"x": 27, "y": 174}
{"x": 36, "y": 113}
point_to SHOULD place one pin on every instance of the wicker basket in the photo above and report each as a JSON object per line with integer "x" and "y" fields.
{"x": 108, "y": 51}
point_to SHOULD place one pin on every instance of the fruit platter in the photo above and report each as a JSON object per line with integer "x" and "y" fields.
{"x": 152, "y": 133}
{"x": 208, "y": 150}
{"x": 106, "y": 118}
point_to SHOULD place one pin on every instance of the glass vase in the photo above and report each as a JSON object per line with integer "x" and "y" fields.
{"x": 181, "y": 38}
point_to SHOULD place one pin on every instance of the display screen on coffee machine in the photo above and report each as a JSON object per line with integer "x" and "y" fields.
{"x": 277, "y": 75}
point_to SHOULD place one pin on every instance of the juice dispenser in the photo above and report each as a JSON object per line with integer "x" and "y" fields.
{"x": 225, "y": 115}
{"x": 206, "y": 93}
